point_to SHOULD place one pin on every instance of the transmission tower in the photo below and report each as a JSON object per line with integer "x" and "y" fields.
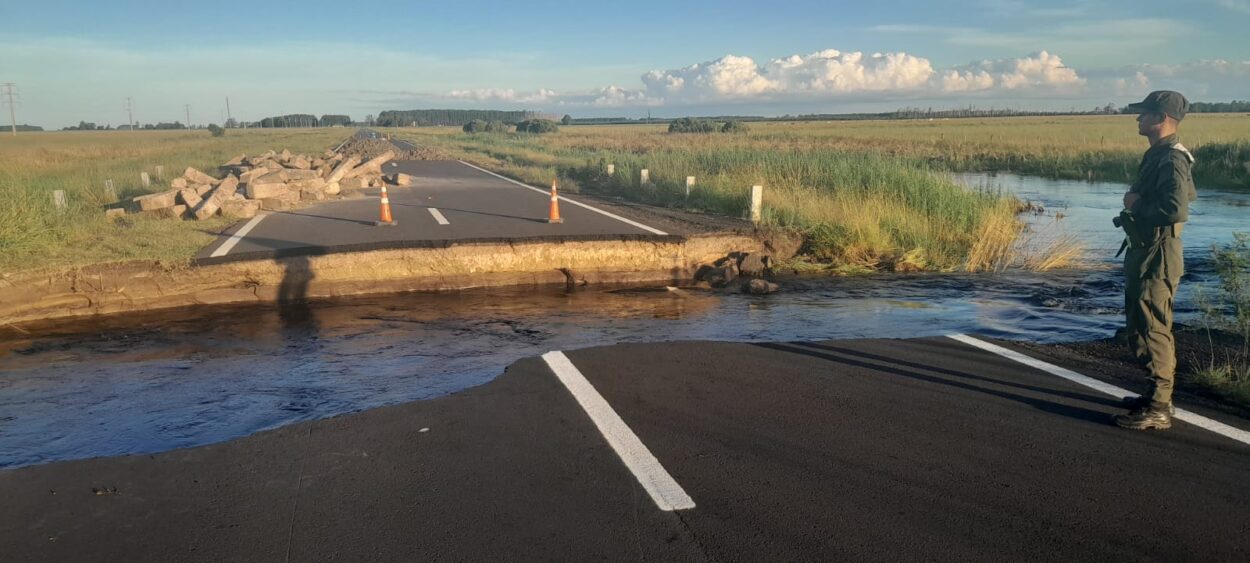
{"x": 9, "y": 87}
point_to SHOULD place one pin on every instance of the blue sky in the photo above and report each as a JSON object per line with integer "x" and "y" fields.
{"x": 79, "y": 60}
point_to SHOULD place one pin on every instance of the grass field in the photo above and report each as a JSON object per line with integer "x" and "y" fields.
{"x": 35, "y": 235}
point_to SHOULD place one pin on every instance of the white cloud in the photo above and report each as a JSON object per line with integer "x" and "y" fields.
{"x": 1040, "y": 70}
{"x": 506, "y": 95}
{"x": 1211, "y": 80}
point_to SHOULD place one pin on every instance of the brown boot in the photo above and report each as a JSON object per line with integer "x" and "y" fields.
{"x": 1153, "y": 417}
{"x": 1141, "y": 402}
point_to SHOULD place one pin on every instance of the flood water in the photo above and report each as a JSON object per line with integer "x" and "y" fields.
{"x": 152, "y": 382}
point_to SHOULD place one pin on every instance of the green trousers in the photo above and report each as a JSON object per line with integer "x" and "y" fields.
{"x": 1148, "y": 312}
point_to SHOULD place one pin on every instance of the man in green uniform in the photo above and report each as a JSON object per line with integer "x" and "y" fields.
{"x": 1155, "y": 208}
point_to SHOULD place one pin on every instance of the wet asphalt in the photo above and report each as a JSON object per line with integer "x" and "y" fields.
{"x": 874, "y": 450}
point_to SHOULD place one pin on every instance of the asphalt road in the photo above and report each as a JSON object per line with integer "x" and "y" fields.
{"x": 876, "y": 450}
{"x": 449, "y": 201}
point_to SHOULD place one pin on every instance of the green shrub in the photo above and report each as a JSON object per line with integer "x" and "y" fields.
{"x": 215, "y": 130}
{"x": 496, "y": 127}
{"x": 734, "y": 127}
{"x": 537, "y": 126}
{"x": 475, "y": 126}
{"x": 691, "y": 125}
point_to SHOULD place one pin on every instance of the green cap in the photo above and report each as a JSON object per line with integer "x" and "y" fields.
{"x": 1167, "y": 102}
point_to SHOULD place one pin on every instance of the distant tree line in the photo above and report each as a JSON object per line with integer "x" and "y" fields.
{"x": 479, "y": 126}
{"x": 1235, "y": 106}
{"x": 29, "y": 128}
{"x": 452, "y": 117}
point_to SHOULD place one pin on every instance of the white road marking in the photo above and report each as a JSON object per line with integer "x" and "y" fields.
{"x": 237, "y": 236}
{"x": 664, "y": 490}
{"x": 438, "y": 216}
{"x": 1182, "y": 415}
{"x": 577, "y": 203}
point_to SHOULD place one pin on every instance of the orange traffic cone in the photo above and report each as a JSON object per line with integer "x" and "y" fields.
{"x": 553, "y": 215}
{"x": 386, "y": 218}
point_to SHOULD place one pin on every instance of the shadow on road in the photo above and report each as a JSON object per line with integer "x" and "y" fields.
{"x": 299, "y": 324}
{"x": 913, "y": 371}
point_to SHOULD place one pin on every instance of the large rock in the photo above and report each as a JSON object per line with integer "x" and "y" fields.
{"x": 236, "y": 160}
{"x": 333, "y": 188}
{"x": 274, "y": 204}
{"x": 753, "y": 264}
{"x": 200, "y": 189}
{"x": 178, "y": 183}
{"x": 209, "y": 206}
{"x": 190, "y": 197}
{"x": 266, "y": 190}
{"x": 251, "y": 175}
{"x": 274, "y": 165}
{"x": 373, "y": 166}
{"x": 292, "y": 174}
{"x": 240, "y": 209}
{"x": 284, "y": 156}
{"x": 309, "y": 184}
{"x": 342, "y": 169}
{"x": 354, "y": 183}
{"x": 172, "y": 212}
{"x": 196, "y": 177}
{"x": 720, "y": 276}
{"x": 299, "y": 162}
{"x": 152, "y": 202}
{"x": 760, "y": 287}
{"x": 400, "y": 179}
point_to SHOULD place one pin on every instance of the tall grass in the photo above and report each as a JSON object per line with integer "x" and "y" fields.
{"x": 34, "y": 234}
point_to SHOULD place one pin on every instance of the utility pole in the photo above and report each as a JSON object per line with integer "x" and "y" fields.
{"x": 188, "y": 106}
{"x": 229, "y": 117}
{"x": 130, "y": 114}
{"x": 8, "y": 93}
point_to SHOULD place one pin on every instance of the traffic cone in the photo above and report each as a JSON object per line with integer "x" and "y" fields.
{"x": 553, "y": 215}
{"x": 386, "y": 218}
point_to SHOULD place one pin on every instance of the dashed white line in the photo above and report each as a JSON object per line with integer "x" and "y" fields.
{"x": 438, "y": 216}
{"x": 1182, "y": 415}
{"x": 564, "y": 199}
{"x": 664, "y": 490}
{"x": 237, "y": 236}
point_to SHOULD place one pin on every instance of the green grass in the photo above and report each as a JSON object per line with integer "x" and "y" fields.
{"x": 34, "y": 235}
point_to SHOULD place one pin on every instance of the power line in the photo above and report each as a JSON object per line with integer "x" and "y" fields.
{"x": 8, "y": 93}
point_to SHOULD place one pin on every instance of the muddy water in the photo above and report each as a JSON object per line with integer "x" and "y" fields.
{"x": 148, "y": 383}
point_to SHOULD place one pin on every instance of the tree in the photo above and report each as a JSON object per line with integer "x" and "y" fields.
{"x": 734, "y": 126}
{"x": 691, "y": 125}
{"x": 475, "y": 126}
{"x": 215, "y": 130}
{"x": 566, "y": 120}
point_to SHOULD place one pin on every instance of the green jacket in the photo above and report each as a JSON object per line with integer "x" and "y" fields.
{"x": 1166, "y": 186}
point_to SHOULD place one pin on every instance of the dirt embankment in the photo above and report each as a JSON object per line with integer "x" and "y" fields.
{"x": 436, "y": 266}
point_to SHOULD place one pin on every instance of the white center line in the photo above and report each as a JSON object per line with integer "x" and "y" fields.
{"x": 1183, "y": 415}
{"x": 577, "y": 203}
{"x": 664, "y": 490}
{"x": 237, "y": 236}
{"x": 438, "y": 216}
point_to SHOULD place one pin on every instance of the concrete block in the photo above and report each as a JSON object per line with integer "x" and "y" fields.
{"x": 114, "y": 213}
{"x": 342, "y": 169}
{"x": 292, "y": 174}
{"x": 156, "y": 201}
{"x": 172, "y": 212}
{"x": 200, "y": 189}
{"x": 196, "y": 177}
{"x": 190, "y": 197}
{"x": 178, "y": 183}
{"x": 236, "y": 160}
{"x": 274, "y": 204}
{"x": 332, "y": 188}
{"x": 265, "y": 191}
{"x": 240, "y": 209}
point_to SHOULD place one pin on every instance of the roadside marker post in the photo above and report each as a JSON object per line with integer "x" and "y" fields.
{"x": 553, "y": 214}
{"x": 611, "y": 170}
{"x": 145, "y": 179}
{"x": 689, "y": 183}
{"x": 644, "y": 177}
{"x": 386, "y": 220}
{"x": 59, "y": 200}
{"x": 110, "y": 193}
{"x": 160, "y": 172}
{"x": 757, "y": 203}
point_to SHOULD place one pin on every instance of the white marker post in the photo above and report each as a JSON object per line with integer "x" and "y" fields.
{"x": 110, "y": 193}
{"x": 757, "y": 203}
{"x": 160, "y": 172}
{"x": 644, "y": 176}
{"x": 689, "y": 183}
{"x": 145, "y": 179}
{"x": 611, "y": 170}
{"x": 58, "y": 199}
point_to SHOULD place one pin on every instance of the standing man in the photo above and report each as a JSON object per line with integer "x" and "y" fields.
{"x": 1155, "y": 208}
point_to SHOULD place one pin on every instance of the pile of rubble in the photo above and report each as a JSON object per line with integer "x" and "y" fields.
{"x": 271, "y": 181}
{"x": 367, "y": 148}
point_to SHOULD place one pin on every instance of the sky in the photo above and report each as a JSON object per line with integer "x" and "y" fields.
{"x": 80, "y": 60}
